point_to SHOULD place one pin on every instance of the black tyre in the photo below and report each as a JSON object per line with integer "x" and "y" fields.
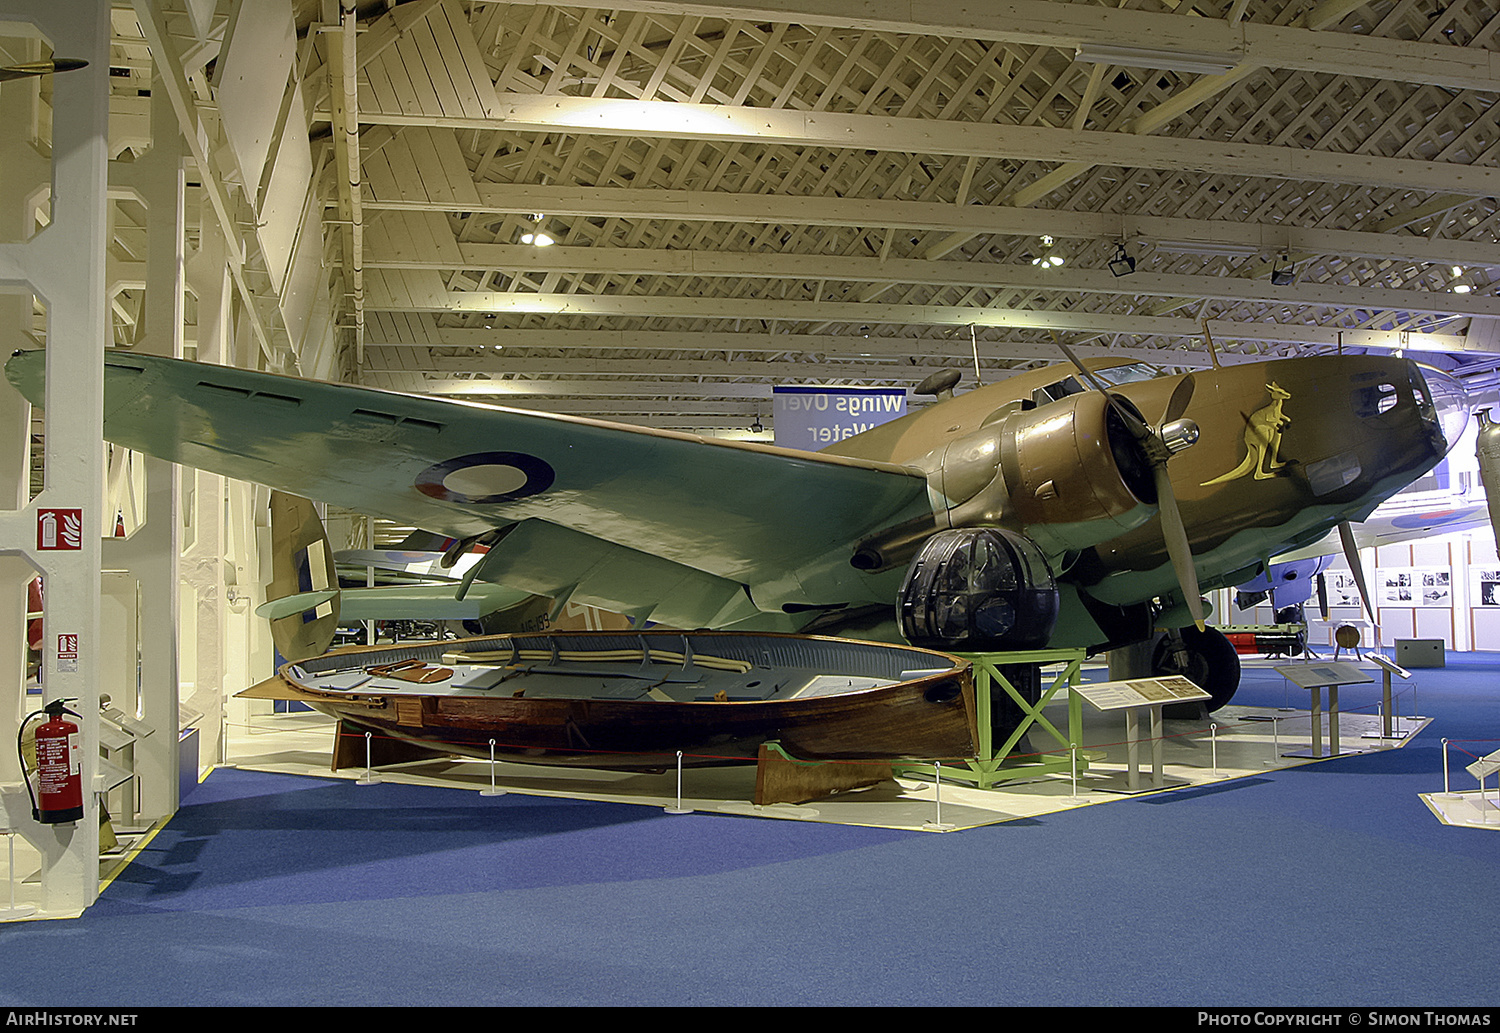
{"x": 1211, "y": 664}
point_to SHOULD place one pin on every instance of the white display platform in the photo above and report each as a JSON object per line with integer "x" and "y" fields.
{"x": 1247, "y": 742}
{"x": 1473, "y": 810}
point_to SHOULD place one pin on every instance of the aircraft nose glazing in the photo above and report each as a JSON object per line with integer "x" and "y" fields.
{"x": 1448, "y": 400}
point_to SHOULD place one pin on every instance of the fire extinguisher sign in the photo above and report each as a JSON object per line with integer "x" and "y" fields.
{"x": 59, "y": 529}
{"x": 67, "y": 653}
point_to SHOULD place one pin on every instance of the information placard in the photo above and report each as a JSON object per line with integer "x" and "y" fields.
{"x": 1141, "y": 692}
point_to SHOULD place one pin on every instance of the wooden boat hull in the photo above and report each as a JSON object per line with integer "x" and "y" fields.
{"x": 927, "y": 716}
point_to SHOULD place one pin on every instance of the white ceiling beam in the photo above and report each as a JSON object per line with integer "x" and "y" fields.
{"x": 957, "y": 349}
{"x": 673, "y": 120}
{"x": 769, "y": 265}
{"x": 1066, "y": 25}
{"x": 708, "y": 206}
{"x": 653, "y": 388}
{"x": 686, "y": 408}
{"x": 764, "y": 309}
{"x": 500, "y": 364}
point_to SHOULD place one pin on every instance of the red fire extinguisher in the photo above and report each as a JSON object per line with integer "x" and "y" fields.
{"x": 59, "y": 762}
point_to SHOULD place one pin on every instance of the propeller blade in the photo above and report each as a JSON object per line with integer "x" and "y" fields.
{"x": 21, "y": 71}
{"x": 1323, "y": 597}
{"x": 1351, "y": 554}
{"x": 1182, "y": 394}
{"x": 1178, "y": 549}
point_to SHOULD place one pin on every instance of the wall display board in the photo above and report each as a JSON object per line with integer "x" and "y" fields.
{"x": 1343, "y": 590}
{"x": 812, "y": 418}
{"x": 1416, "y": 586}
{"x": 1485, "y": 582}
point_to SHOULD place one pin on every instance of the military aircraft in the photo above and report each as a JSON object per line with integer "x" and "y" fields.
{"x": 314, "y": 590}
{"x": 1076, "y": 505}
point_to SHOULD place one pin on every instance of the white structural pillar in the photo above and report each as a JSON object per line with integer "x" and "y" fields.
{"x": 27, "y": 175}
{"x": 151, "y": 553}
{"x": 64, "y": 266}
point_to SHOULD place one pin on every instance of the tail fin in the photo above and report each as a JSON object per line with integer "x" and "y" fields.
{"x": 303, "y": 596}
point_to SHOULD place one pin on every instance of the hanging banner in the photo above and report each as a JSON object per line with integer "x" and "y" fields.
{"x": 812, "y": 418}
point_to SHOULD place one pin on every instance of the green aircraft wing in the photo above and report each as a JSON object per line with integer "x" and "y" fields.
{"x": 631, "y": 511}
{"x": 400, "y": 602}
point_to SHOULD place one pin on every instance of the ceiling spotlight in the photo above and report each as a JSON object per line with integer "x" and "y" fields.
{"x": 1283, "y": 273}
{"x": 1046, "y": 259}
{"x": 1462, "y": 288}
{"x": 1122, "y": 264}
{"x": 537, "y": 237}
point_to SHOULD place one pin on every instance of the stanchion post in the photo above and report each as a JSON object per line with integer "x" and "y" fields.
{"x": 679, "y": 809}
{"x": 492, "y": 791}
{"x": 1213, "y": 738}
{"x": 937, "y": 825}
{"x": 370, "y": 778}
{"x": 1446, "y": 790}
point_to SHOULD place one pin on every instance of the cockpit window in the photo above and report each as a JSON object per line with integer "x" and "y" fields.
{"x": 1373, "y": 400}
{"x": 1063, "y": 388}
{"x": 1441, "y": 398}
{"x": 1117, "y": 375}
{"x": 1114, "y": 376}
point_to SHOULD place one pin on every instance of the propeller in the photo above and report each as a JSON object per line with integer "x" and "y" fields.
{"x": 21, "y": 71}
{"x": 1351, "y": 555}
{"x": 1323, "y": 597}
{"x": 1159, "y": 444}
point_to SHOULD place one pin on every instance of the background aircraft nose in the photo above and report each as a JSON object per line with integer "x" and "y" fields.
{"x": 1449, "y": 400}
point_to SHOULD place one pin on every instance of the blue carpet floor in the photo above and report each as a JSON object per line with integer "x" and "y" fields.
{"x": 1329, "y": 884}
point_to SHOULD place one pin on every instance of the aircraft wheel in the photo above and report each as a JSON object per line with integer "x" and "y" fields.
{"x": 1212, "y": 664}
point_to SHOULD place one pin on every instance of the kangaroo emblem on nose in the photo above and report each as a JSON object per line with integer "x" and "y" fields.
{"x": 1262, "y": 439}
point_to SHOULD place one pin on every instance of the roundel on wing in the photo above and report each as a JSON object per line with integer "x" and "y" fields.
{"x": 485, "y": 478}
{"x": 1427, "y": 520}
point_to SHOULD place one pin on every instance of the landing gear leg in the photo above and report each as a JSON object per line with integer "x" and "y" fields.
{"x": 1205, "y": 657}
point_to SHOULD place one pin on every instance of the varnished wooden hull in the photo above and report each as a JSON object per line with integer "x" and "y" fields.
{"x": 927, "y": 716}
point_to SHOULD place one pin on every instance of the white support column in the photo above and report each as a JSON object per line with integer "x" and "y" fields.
{"x": 26, "y": 174}
{"x": 151, "y": 553}
{"x": 201, "y": 553}
{"x": 64, "y": 265}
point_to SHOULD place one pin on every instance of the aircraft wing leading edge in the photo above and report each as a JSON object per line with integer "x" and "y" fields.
{"x": 638, "y": 510}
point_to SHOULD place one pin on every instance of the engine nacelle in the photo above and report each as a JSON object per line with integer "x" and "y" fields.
{"x": 1067, "y": 475}
{"x": 978, "y": 589}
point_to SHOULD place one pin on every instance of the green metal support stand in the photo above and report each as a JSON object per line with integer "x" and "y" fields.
{"x": 994, "y": 764}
